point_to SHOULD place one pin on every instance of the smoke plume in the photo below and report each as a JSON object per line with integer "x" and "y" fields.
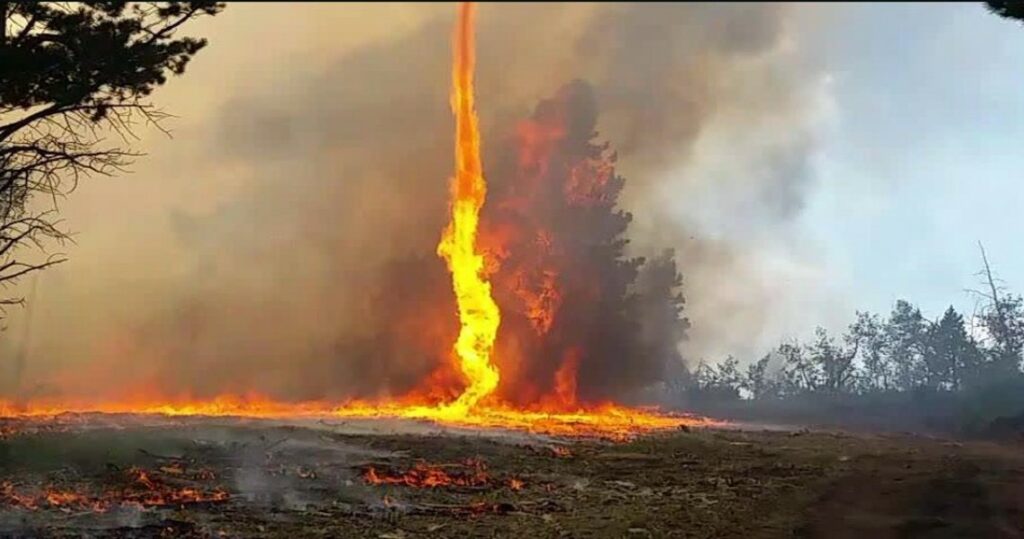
{"x": 300, "y": 261}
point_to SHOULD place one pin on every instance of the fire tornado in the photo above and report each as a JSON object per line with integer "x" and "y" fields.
{"x": 479, "y": 316}
{"x": 561, "y": 282}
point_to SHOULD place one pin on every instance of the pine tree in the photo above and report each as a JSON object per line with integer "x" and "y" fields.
{"x": 757, "y": 382}
{"x": 950, "y": 355}
{"x": 877, "y": 369}
{"x": 566, "y": 286}
{"x": 905, "y": 333}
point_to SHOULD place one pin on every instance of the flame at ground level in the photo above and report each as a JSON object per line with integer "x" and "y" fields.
{"x": 610, "y": 421}
{"x": 138, "y": 488}
{"x": 472, "y": 473}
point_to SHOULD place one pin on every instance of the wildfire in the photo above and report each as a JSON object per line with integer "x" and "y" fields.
{"x": 533, "y": 292}
{"x": 478, "y": 313}
{"x": 141, "y": 490}
{"x": 560, "y": 451}
{"x": 422, "y": 475}
{"x": 609, "y": 421}
{"x": 8, "y": 431}
{"x": 472, "y": 473}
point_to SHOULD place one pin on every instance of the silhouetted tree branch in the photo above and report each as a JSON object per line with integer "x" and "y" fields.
{"x": 71, "y": 75}
{"x": 1007, "y": 10}
{"x": 1002, "y": 316}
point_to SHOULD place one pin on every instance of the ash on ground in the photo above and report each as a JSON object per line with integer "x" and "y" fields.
{"x": 127, "y": 476}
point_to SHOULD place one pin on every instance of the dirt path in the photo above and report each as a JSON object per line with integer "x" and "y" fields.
{"x": 935, "y": 491}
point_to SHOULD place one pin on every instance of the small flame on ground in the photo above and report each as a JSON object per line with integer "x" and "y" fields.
{"x": 141, "y": 491}
{"x": 561, "y": 451}
{"x": 472, "y": 473}
{"x": 608, "y": 421}
{"x": 422, "y": 475}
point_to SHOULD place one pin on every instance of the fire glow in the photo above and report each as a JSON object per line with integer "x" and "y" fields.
{"x": 479, "y": 316}
{"x": 141, "y": 490}
{"x": 490, "y": 390}
{"x": 423, "y": 475}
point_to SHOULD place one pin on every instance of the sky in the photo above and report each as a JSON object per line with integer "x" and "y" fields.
{"x": 923, "y": 161}
{"x": 895, "y": 126}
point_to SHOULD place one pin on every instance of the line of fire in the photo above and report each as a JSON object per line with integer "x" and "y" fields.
{"x": 427, "y": 302}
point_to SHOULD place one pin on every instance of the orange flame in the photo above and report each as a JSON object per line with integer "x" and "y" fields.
{"x": 565, "y": 379}
{"x": 478, "y": 313}
{"x": 142, "y": 490}
{"x": 609, "y": 421}
{"x": 423, "y": 475}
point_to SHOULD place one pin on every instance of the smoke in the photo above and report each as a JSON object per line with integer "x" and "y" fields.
{"x": 316, "y": 176}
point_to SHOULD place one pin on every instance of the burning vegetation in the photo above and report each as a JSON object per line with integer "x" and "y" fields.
{"x": 471, "y": 473}
{"x": 137, "y": 488}
{"x": 548, "y": 330}
{"x": 553, "y": 324}
{"x": 526, "y": 318}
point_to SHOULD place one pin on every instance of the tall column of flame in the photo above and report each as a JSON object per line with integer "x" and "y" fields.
{"x": 478, "y": 313}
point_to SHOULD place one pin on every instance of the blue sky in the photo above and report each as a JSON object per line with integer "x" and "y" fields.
{"x": 926, "y": 158}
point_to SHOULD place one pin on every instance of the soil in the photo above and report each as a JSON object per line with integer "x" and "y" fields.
{"x": 309, "y": 480}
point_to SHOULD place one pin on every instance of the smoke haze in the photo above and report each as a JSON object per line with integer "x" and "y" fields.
{"x": 309, "y": 167}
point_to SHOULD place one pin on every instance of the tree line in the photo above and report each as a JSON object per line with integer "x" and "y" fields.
{"x": 973, "y": 361}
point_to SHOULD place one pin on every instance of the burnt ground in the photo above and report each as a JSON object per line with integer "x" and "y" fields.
{"x": 308, "y": 480}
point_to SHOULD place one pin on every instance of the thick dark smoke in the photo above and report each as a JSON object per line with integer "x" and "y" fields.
{"x": 319, "y": 279}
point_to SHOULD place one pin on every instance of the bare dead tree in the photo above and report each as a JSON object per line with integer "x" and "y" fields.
{"x": 1001, "y": 314}
{"x": 988, "y": 299}
{"x": 73, "y": 76}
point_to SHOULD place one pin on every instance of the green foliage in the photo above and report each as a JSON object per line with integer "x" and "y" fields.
{"x": 903, "y": 366}
{"x": 1004, "y": 322}
{"x": 660, "y": 305}
{"x": 950, "y": 353}
{"x": 721, "y": 383}
{"x": 836, "y": 361}
{"x": 799, "y": 373}
{"x": 877, "y": 370}
{"x": 758, "y": 383}
{"x": 95, "y": 55}
{"x": 902, "y": 353}
{"x": 905, "y": 333}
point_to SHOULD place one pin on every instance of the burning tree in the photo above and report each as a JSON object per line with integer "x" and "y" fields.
{"x": 70, "y": 75}
{"x": 582, "y": 322}
{"x": 557, "y": 241}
